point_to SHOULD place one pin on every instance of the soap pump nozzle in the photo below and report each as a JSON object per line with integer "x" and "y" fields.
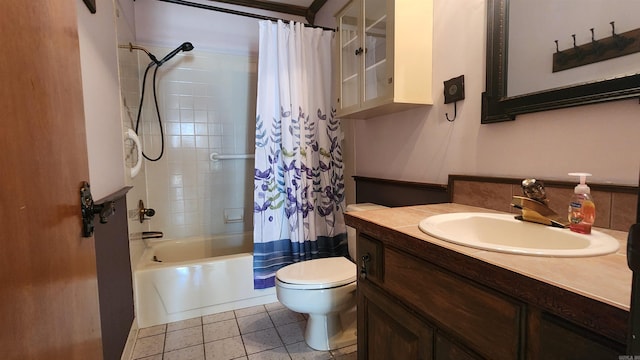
{"x": 581, "y": 188}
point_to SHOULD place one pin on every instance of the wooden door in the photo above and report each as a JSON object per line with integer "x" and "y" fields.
{"x": 48, "y": 288}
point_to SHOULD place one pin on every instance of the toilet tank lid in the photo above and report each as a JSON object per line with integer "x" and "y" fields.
{"x": 325, "y": 272}
{"x": 365, "y": 206}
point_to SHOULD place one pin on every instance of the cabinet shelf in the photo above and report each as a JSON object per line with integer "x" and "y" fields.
{"x": 345, "y": 45}
{"x": 382, "y": 18}
{"x": 398, "y": 75}
{"x": 376, "y": 65}
{"x": 349, "y": 78}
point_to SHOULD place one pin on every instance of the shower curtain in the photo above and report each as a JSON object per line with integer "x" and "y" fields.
{"x": 298, "y": 182}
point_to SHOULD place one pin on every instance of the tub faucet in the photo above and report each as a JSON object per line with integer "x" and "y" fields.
{"x": 146, "y": 235}
{"x": 152, "y": 235}
{"x": 535, "y": 205}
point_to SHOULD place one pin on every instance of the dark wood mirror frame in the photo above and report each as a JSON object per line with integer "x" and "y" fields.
{"x": 497, "y": 106}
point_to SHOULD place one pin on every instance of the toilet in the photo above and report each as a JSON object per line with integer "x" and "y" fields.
{"x": 325, "y": 289}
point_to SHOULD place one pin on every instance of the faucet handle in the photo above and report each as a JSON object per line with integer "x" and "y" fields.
{"x": 144, "y": 212}
{"x": 534, "y": 189}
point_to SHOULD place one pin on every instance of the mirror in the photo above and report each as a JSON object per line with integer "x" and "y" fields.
{"x": 498, "y": 105}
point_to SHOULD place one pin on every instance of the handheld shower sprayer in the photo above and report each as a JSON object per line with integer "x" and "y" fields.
{"x": 186, "y": 46}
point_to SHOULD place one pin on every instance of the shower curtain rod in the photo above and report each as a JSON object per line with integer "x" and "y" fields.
{"x": 235, "y": 12}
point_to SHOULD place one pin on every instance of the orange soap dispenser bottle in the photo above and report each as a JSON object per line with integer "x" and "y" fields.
{"x": 582, "y": 209}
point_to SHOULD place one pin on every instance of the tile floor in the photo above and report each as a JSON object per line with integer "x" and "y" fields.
{"x": 265, "y": 332}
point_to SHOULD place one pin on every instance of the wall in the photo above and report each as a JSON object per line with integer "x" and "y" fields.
{"x": 128, "y": 70}
{"x": 206, "y": 98}
{"x": 164, "y": 24}
{"x": 101, "y": 97}
{"x": 421, "y": 145}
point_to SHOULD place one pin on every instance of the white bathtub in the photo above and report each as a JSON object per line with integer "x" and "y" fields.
{"x": 196, "y": 277}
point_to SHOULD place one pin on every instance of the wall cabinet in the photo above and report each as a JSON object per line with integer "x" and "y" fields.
{"x": 411, "y": 308}
{"x": 384, "y": 57}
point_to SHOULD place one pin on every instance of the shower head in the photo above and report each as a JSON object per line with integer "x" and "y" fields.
{"x": 186, "y": 46}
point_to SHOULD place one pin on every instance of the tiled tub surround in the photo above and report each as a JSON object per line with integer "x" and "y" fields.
{"x": 260, "y": 332}
{"x": 615, "y": 205}
{"x": 603, "y": 281}
{"x": 207, "y": 103}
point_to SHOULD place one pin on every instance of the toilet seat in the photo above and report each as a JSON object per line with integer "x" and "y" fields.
{"x": 322, "y": 273}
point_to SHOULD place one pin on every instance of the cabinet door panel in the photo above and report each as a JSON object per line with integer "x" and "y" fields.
{"x": 350, "y": 58}
{"x": 488, "y": 322}
{"x": 388, "y": 331}
{"x": 553, "y": 338}
{"x": 376, "y": 79}
{"x": 446, "y": 349}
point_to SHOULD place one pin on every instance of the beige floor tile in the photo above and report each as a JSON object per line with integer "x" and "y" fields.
{"x": 273, "y": 354}
{"x": 254, "y": 322}
{"x": 190, "y": 353}
{"x": 184, "y": 324}
{"x": 292, "y": 333}
{"x": 225, "y": 349}
{"x": 183, "y": 338}
{"x": 147, "y": 346}
{"x": 302, "y": 351}
{"x": 250, "y": 311}
{"x": 220, "y": 330}
{"x": 227, "y": 315}
{"x": 285, "y": 316}
{"x": 262, "y": 340}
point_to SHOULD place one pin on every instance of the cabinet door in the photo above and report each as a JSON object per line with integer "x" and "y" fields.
{"x": 350, "y": 56}
{"x": 552, "y": 338}
{"x": 376, "y": 78}
{"x": 387, "y": 331}
{"x": 447, "y": 349}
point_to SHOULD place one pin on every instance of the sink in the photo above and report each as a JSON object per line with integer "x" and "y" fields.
{"x": 503, "y": 233}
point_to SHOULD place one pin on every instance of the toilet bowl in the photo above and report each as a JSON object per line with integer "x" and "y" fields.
{"x": 325, "y": 289}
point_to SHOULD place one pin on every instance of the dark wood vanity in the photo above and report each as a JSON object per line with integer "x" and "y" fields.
{"x": 418, "y": 299}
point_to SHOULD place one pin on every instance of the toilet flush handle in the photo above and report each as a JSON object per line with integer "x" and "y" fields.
{"x": 363, "y": 265}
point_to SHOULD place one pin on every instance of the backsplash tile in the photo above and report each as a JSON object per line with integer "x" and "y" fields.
{"x": 623, "y": 211}
{"x": 488, "y": 195}
{"x": 615, "y": 209}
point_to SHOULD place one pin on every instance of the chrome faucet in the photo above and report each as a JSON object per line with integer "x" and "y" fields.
{"x": 535, "y": 205}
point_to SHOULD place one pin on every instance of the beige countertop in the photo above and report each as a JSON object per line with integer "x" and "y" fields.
{"x": 603, "y": 278}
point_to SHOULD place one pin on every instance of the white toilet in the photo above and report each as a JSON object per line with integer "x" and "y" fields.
{"x": 326, "y": 290}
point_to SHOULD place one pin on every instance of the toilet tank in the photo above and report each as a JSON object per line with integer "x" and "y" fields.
{"x": 351, "y": 232}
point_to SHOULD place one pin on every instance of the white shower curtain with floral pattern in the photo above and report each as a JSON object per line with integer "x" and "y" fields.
{"x": 298, "y": 183}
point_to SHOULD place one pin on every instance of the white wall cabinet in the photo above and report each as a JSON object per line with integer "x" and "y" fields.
{"x": 384, "y": 57}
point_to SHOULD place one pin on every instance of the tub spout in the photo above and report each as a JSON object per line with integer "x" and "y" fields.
{"x": 152, "y": 235}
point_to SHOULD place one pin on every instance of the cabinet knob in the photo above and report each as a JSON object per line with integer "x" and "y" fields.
{"x": 363, "y": 265}
{"x": 358, "y": 51}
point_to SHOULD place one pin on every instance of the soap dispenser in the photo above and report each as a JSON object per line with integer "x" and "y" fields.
{"x": 582, "y": 210}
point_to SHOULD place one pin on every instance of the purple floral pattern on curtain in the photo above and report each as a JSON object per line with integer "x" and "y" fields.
{"x": 298, "y": 178}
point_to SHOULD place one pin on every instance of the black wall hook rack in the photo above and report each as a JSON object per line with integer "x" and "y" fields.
{"x": 594, "y": 51}
{"x": 453, "y": 92}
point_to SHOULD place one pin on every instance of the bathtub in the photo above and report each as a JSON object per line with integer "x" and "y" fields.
{"x": 181, "y": 279}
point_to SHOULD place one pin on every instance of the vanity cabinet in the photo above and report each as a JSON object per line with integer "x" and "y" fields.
{"x": 384, "y": 57}
{"x": 411, "y": 305}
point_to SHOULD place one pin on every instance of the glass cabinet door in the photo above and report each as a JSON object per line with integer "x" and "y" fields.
{"x": 376, "y": 83}
{"x": 350, "y": 48}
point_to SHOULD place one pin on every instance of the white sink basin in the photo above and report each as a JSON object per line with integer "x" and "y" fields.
{"x": 503, "y": 233}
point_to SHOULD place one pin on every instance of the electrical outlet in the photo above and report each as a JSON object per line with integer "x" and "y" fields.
{"x": 454, "y": 89}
